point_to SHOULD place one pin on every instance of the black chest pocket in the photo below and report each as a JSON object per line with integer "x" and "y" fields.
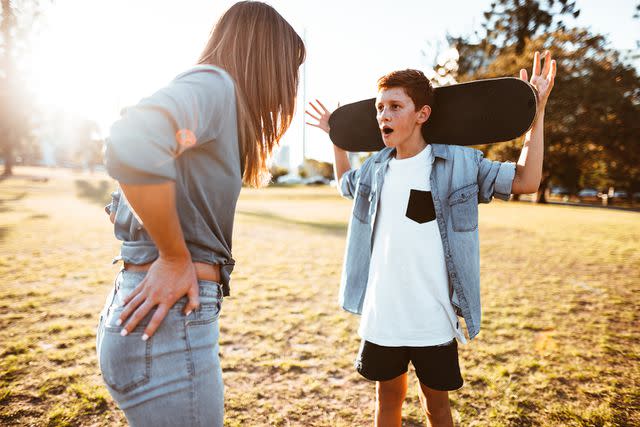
{"x": 420, "y": 207}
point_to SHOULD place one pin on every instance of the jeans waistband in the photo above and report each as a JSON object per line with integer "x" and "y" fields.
{"x": 128, "y": 280}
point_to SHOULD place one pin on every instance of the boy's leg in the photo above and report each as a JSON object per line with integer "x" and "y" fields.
{"x": 387, "y": 366}
{"x": 436, "y": 406}
{"x": 438, "y": 370}
{"x": 389, "y": 399}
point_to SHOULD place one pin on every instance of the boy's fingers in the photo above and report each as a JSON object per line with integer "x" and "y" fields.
{"x": 317, "y": 109}
{"x": 311, "y": 114}
{"x": 547, "y": 63}
{"x": 523, "y": 75}
{"x": 536, "y": 65}
{"x": 322, "y": 105}
{"x": 155, "y": 321}
{"x": 552, "y": 71}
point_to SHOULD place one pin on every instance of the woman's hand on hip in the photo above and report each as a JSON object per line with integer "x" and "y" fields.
{"x": 167, "y": 280}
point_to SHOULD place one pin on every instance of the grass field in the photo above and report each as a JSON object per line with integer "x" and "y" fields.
{"x": 559, "y": 343}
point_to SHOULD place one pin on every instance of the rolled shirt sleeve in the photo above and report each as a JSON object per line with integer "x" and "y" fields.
{"x": 494, "y": 179}
{"x": 144, "y": 142}
{"x": 348, "y": 183}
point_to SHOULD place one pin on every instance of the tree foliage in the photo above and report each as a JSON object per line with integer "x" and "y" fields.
{"x": 592, "y": 119}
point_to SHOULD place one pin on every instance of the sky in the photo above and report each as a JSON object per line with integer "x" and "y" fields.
{"x": 95, "y": 57}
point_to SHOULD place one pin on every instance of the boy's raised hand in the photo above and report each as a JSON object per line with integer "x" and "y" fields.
{"x": 541, "y": 79}
{"x": 322, "y": 116}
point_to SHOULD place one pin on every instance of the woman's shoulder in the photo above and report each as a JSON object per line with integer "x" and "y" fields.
{"x": 202, "y": 89}
{"x": 205, "y": 75}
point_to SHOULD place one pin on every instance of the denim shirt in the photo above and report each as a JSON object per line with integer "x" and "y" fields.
{"x": 460, "y": 179}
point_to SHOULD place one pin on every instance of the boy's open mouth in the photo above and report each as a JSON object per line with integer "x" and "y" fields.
{"x": 387, "y": 130}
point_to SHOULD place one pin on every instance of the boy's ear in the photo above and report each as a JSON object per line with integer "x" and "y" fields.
{"x": 424, "y": 114}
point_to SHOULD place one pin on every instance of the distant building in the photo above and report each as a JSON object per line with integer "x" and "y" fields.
{"x": 282, "y": 157}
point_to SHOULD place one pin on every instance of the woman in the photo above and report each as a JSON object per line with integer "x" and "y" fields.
{"x": 180, "y": 157}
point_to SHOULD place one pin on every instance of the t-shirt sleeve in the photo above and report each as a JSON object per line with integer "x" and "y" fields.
{"x": 494, "y": 179}
{"x": 143, "y": 144}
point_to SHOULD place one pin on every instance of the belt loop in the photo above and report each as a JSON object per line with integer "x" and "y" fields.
{"x": 220, "y": 291}
{"x": 114, "y": 291}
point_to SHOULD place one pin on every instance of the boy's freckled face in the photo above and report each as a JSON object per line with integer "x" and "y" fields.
{"x": 396, "y": 116}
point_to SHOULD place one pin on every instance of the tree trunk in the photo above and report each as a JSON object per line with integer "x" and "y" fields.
{"x": 8, "y": 164}
{"x": 541, "y": 196}
{"x": 5, "y": 86}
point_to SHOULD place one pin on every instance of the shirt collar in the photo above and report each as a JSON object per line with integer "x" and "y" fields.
{"x": 438, "y": 150}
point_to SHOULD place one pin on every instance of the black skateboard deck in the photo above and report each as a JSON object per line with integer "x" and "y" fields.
{"x": 472, "y": 113}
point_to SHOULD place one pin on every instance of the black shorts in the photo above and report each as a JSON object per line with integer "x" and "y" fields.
{"x": 436, "y": 366}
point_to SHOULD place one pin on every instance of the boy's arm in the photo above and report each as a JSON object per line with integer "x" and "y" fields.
{"x": 529, "y": 166}
{"x": 345, "y": 176}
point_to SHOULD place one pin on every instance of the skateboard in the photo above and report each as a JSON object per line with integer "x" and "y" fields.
{"x": 472, "y": 113}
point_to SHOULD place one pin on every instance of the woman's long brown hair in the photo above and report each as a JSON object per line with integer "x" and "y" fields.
{"x": 262, "y": 52}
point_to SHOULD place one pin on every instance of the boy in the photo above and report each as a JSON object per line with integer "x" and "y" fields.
{"x": 412, "y": 261}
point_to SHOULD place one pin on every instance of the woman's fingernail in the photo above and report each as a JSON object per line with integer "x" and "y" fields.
{"x": 145, "y": 337}
{"x": 188, "y": 312}
{"x": 118, "y": 322}
{"x": 124, "y": 332}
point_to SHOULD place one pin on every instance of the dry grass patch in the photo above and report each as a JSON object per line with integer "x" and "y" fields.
{"x": 558, "y": 346}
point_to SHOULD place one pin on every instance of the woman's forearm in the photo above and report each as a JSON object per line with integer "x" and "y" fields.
{"x": 155, "y": 206}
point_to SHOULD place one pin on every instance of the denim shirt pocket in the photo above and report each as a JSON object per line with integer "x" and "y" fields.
{"x": 362, "y": 203}
{"x": 463, "y": 203}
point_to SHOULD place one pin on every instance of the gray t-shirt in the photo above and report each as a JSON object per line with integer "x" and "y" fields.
{"x": 187, "y": 133}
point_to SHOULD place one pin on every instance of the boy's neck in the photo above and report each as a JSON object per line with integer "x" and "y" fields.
{"x": 411, "y": 147}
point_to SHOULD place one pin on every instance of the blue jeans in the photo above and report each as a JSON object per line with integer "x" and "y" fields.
{"x": 172, "y": 379}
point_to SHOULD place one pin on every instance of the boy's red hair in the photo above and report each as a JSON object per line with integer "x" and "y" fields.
{"x": 414, "y": 83}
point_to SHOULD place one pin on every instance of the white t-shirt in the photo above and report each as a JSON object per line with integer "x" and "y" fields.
{"x": 407, "y": 299}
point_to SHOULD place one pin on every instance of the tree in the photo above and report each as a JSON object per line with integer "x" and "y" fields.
{"x": 18, "y": 18}
{"x": 592, "y": 122}
{"x": 509, "y": 23}
{"x": 592, "y": 119}
{"x": 512, "y": 22}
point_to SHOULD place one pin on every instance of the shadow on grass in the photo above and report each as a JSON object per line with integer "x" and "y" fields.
{"x": 3, "y": 233}
{"x": 39, "y": 216}
{"x": 97, "y": 193}
{"x": 335, "y": 228}
{"x": 13, "y": 198}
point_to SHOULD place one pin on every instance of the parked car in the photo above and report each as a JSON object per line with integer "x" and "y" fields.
{"x": 559, "y": 191}
{"x": 289, "y": 179}
{"x": 588, "y": 194}
{"x": 620, "y": 194}
{"x": 316, "y": 180}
